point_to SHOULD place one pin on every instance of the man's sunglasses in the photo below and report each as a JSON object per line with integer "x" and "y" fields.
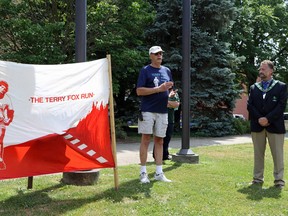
{"x": 158, "y": 53}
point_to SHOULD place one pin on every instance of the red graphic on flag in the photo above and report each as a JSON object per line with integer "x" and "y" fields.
{"x": 60, "y": 118}
{"x": 6, "y": 117}
{"x": 84, "y": 147}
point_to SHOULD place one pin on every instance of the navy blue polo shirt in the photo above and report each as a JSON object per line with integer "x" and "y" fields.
{"x": 151, "y": 77}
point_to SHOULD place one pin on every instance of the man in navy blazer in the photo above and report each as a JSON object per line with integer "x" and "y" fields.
{"x": 266, "y": 106}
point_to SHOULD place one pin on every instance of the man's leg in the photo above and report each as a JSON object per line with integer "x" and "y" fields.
{"x": 259, "y": 144}
{"x": 159, "y": 132}
{"x": 276, "y": 143}
{"x": 145, "y": 141}
{"x": 159, "y": 175}
{"x": 145, "y": 127}
{"x": 166, "y": 141}
{"x": 158, "y": 143}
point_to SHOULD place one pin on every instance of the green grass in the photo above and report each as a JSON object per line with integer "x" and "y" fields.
{"x": 218, "y": 185}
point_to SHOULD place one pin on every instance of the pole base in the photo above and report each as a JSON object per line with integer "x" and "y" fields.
{"x": 186, "y": 158}
{"x": 81, "y": 178}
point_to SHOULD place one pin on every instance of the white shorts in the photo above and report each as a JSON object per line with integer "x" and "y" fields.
{"x": 153, "y": 123}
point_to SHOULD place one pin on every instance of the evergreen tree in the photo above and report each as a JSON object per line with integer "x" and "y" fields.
{"x": 213, "y": 91}
{"x": 166, "y": 32}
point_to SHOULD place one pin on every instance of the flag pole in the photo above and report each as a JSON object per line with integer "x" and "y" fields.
{"x": 112, "y": 124}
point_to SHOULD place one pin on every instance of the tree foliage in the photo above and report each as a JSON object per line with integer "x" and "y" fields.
{"x": 36, "y": 31}
{"x": 166, "y": 31}
{"x": 117, "y": 28}
{"x": 260, "y": 32}
{"x": 43, "y": 32}
{"x": 213, "y": 91}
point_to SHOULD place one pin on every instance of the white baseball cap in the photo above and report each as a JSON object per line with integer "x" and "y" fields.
{"x": 155, "y": 49}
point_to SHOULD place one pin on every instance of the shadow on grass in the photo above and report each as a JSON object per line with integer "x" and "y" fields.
{"x": 258, "y": 193}
{"x": 41, "y": 203}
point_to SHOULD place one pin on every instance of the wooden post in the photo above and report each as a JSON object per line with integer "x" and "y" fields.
{"x": 112, "y": 124}
{"x": 30, "y": 182}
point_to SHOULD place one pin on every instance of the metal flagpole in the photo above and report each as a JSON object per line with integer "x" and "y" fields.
{"x": 112, "y": 124}
{"x": 81, "y": 177}
{"x": 80, "y": 30}
{"x": 185, "y": 154}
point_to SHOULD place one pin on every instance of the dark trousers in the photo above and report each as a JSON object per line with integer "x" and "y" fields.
{"x": 166, "y": 140}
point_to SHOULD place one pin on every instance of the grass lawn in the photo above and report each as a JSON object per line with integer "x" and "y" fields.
{"x": 218, "y": 185}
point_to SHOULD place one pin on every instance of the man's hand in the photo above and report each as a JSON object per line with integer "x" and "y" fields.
{"x": 172, "y": 93}
{"x": 263, "y": 121}
{"x": 165, "y": 86}
{"x": 142, "y": 91}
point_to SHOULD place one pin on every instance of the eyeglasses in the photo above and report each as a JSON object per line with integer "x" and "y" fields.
{"x": 158, "y": 53}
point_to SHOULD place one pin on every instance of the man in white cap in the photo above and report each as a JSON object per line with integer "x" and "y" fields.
{"x": 153, "y": 84}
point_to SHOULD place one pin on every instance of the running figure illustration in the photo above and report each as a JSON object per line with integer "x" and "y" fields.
{"x": 6, "y": 117}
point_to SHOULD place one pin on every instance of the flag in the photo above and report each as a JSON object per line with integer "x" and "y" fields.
{"x": 54, "y": 118}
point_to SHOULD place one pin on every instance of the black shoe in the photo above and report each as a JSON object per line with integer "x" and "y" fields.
{"x": 256, "y": 183}
{"x": 167, "y": 158}
{"x": 279, "y": 186}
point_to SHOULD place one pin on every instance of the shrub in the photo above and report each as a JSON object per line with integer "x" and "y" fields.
{"x": 241, "y": 126}
{"x": 119, "y": 129}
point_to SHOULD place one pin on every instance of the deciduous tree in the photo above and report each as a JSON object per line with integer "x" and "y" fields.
{"x": 260, "y": 32}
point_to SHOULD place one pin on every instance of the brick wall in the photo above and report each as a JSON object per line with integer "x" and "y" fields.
{"x": 241, "y": 106}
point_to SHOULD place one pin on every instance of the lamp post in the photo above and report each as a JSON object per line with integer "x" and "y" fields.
{"x": 185, "y": 154}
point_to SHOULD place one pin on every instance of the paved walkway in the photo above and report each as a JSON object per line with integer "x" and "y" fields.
{"x": 128, "y": 153}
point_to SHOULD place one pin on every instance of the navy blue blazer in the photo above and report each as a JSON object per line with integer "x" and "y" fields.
{"x": 272, "y": 106}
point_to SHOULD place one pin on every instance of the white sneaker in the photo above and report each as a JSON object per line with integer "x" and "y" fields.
{"x": 144, "y": 178}
{"x": 161, "y": 177}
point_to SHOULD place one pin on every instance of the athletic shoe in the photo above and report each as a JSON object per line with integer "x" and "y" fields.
{"x": 161, "y": 177}
{"x": 144, "y": 178}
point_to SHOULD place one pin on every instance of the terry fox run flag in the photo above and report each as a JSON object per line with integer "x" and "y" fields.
{"x": 54, "y": 118}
